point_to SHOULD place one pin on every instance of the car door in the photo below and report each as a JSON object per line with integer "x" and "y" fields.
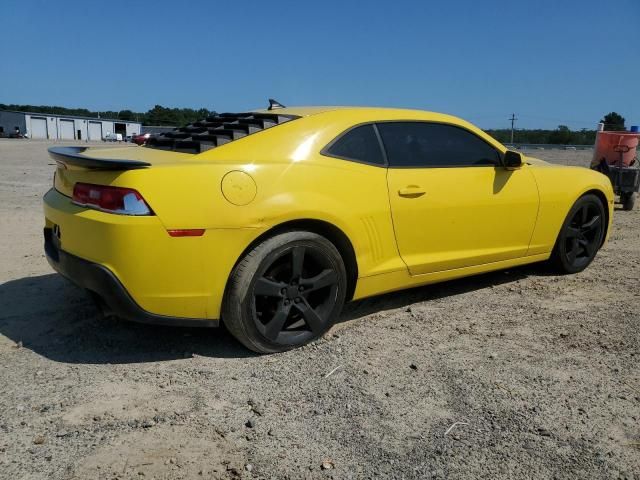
{"x": 453, "y": 204}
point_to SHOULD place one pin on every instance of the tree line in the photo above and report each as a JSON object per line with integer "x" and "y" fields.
{"x": 562, "y": 135}
{"x": 158, "y": 115}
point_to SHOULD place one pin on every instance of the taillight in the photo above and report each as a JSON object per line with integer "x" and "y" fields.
{"x": 123, "y": 201}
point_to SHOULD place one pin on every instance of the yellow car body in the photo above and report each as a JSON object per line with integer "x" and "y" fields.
{"x": 460, "y": 221}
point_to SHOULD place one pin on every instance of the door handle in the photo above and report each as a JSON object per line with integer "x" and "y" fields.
{"x": 411, "y": 191}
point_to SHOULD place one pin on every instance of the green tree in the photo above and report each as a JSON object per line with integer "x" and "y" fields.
{"x": 126, "y": 115}
{"x": 160, "y": 115}
{"x": 613, "y": 121}
{"x": 561, "y": 136}
{"x": 110, "y": 114}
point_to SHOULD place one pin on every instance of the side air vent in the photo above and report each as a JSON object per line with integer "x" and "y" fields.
{"x": 214, "y": 131}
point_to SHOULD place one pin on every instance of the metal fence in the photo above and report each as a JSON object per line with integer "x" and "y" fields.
{"x": 547, "y": 146}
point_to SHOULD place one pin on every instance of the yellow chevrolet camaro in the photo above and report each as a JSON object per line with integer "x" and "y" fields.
{"x": 270, "y": 220}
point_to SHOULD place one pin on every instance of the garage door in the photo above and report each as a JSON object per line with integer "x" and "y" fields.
{"x": 38, "y": 127}
{"x": 95, "y": 131}
{"x": 66, "y": 130}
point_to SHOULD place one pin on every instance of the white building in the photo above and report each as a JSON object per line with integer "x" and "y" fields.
{"x": 63, "y": 127}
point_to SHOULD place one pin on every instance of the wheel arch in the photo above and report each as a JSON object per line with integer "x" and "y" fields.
{"x": 332, "y": 233}
{"x": 605, "y": 205}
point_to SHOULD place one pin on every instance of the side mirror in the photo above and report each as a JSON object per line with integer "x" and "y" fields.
{"x": 512, "y": 160}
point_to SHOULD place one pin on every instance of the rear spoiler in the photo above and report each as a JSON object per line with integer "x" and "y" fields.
{"x": 74, "y": 156}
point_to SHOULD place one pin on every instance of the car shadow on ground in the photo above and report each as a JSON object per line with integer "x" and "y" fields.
{"x": 55, "y": 319}
{"x": 451, "y": 288}
{"x": 59, "y": 321}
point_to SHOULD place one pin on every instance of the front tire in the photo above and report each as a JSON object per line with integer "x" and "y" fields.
{"x": 580, "y": 237}
{"x": 285, "y": 292}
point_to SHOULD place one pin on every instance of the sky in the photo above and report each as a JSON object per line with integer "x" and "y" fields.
{"x": 550, "y": 62}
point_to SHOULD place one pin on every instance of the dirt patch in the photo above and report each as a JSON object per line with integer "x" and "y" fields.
{"x": 541, "y": 371}
{"x": 162, "y": 452}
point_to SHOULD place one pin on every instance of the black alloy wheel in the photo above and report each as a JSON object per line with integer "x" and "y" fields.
{"x": 286, "y": 292}
{"x": 581, "y": 236}
{"x": 295, "y": 295}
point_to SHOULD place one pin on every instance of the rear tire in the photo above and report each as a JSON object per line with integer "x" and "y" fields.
{"x": 628, "y": 200}
{"x": 285, "y": 292}
{"x": 580, "y": 237}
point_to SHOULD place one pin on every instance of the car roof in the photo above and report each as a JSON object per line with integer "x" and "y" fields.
{"x": 349, "y": 115}
{"x": 371, "y": 113}
{"x": 300, "y": 111}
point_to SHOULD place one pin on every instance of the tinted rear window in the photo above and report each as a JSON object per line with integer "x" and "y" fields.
{"x": 360, "y": 144}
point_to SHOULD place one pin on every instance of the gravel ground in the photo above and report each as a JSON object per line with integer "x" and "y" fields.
{"x": 515, "y": 374}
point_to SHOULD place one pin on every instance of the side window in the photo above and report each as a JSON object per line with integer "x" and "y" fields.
{"x": 360, "y": 144}
{"x": 421, "y": 144}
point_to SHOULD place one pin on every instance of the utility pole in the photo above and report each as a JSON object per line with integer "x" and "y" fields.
{"x": 513, "y": 121}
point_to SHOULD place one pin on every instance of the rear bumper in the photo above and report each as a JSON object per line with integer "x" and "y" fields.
{"x": 182, "y": 277}
{"x": 101, "y": 281}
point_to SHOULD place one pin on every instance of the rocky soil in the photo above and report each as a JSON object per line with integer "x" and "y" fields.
{"x": 515, "y": 374}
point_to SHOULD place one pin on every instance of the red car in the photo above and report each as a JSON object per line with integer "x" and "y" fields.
{"x": 141, "y": 139}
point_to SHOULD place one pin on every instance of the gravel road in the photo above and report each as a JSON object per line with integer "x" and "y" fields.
{"x": 515, "y": 374}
